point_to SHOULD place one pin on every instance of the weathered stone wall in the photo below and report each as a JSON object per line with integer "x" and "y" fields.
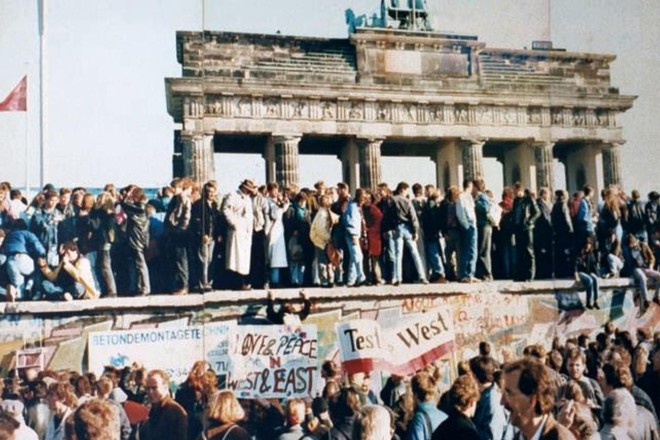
{"x": 509, "y": 315}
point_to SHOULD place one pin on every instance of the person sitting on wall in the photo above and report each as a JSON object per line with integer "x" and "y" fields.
{"x": 288, "y": 313}
{"x": 71, "y": 279}
{"x": 19, "y": 248}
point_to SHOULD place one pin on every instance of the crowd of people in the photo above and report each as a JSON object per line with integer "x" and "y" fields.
{"x": 579, "y": 389}
{"x": 71, "y": 244}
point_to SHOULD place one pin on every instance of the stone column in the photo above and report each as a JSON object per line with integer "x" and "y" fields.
{"x": 612, "y": 163}
{"x": 286, "y": 160}
{"x": 544, "y": 165}
{"x": 370, "y": 163}
{"x": 197, "y": 152}
{"x": 350, "y": 163}
{"x": 472, "y": 152}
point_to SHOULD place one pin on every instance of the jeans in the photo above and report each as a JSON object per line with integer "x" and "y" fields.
{"x": 453, "y": 253}
{"x": 525, "y": 261}
{"x": 19, "y": 266}
{"x": 403, "y": 235}
{"x": 139, "y": 273}
{"x": 297, "y": 273}
{"x": 485, "y": 244}
{"x": 433, "y": 257}
{"x": 590, "y": 283}
{"x": 614, "y": 264}
{"x": 468, "y": 254}
{"x": 642, "y": 276}
{"x": 355, "y": 267}
{"x": 54, "y": 292}
{"x": 387, "y": 256}
{"x": 180, "y": 255}
{"x": 326, "y": 271}
{"x": 204, "y": 265}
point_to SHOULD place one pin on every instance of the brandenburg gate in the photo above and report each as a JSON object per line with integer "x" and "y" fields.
{"x": 396, "y": 90}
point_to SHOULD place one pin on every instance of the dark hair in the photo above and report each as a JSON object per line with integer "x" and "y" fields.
{"x": 463, "y": 393}
{"x": 534, "y": 381}
{"x": 483, "y": 368}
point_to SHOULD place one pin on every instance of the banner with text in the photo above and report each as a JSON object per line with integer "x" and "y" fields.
{"x": 171, "y": 349}
{"x": 273, "y": 361}
{"x": 412, "y": 344}
{"x": 361, "y": 345}
{"x": 419, "y": 340}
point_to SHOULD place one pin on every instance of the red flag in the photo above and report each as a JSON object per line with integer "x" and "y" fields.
{"x": 16, "y": 101}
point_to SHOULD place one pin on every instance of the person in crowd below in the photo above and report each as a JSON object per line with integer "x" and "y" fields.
{"x": 576, "y": 363}
{"x": 321, "y": 236}
{"x": 577, "y": 416}
{"x": 192, "y": 398}
{"x": 353, "y": 224}
{"x": 451, "y": 227}
{"x": 71, "y": 279}
{"x": 238, "y": 213}
{"x": 297, "y": 224}
{"x": 489, "y": 417}
{"x": 104, "y": 387}
{"x": 618, "y": 415}
{"x": 373, "y": 423}
{"x": 586, "y": 272}
{"x": 467, "y": 219}
{"x": 528, "y": 395}
{"x": 103, "y": 220}
{"x": 258, "y": 273}
{"x": 432, "y": 224}
{"x": 20, "y": 247}
{"x": 62, "y": 401}
{"x": 543, "y": 236}
{"x": 562, "y": 229}
{"x": 525, "y": 214}
{"x": 406, "y": 232}
{"x": 8, "y": 426}
{"x": 44, "y": 224}
{"x": 463, "y": 396}
{"x": 616, "y": 374}
{"x": 37, "y": 411}
{"x": 14, "y": 408}
{"x": 137, "y": 232}
{"x": 585, "y": 217}
{"x": 95, "y": 419}
{"x": 203, "y": 223}
{"x": 427, "y": 416}
{"x": 482, "y": 209}
{"x": 177, "y": 224}
{"x": 373, "y": 219}
{"x": 636, "y": 222}
{"x": 652, "y": 213}
{"x": 295, "y": 417}
{"x": 642, "y": 262}
{"x": 344, "y": 409}
{"x": 167, "y": 419}
{"x": 225, "y": 413}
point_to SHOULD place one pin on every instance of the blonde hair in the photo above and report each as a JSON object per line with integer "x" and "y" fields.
{"x": 373, "y": 423}
{"x": 226, "y": 408}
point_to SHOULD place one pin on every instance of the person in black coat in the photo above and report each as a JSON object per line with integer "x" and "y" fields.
{"x": 463, "y": 397}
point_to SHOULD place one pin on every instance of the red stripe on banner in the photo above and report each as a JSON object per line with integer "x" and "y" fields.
{"x": 418, "y": 363}
{"x": 361, "y": 365}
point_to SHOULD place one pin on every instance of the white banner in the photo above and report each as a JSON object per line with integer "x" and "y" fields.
{"x": 271, "y": 361}
{"x": 171, "y": 349}
{"x": 361, "y": 345}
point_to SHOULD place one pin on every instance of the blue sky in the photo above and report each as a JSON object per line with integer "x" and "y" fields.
{"x": 107, "y": 60}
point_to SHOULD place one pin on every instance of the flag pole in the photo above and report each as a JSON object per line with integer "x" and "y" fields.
{"x": 42, "y": 91}
{"x": 27, "y": 143}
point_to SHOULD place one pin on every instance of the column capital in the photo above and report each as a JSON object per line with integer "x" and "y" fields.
{"x": 475, "y": 140}
{"x": 369, "y": 140}
{"x": 281, "y": 138}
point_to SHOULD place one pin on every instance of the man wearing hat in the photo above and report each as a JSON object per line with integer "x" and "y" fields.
{"x": 14, "y": 409}
{"x": 239, "y": 214}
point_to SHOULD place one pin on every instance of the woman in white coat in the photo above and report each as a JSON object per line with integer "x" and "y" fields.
{"x": 276, "y": 254}
{"x": 239, "y": 214}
